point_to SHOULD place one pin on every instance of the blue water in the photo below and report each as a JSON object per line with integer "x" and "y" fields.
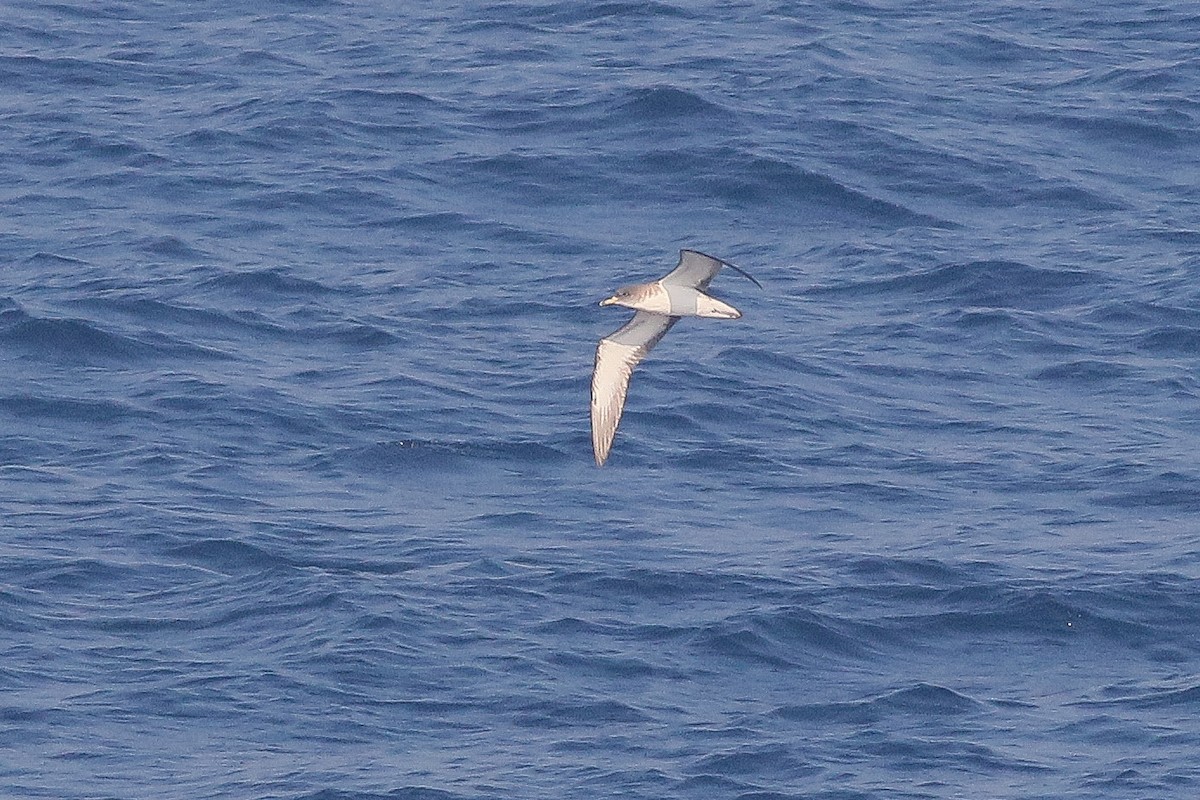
{"x": 297, "y": 318}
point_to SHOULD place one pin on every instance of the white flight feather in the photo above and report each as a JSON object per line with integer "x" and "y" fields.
{"x": 616, "y": 356}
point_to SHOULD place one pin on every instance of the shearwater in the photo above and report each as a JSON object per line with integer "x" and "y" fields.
{"x": 659, "y": 305}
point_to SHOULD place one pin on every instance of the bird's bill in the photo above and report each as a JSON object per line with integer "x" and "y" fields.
{"x": 608, "y": 302}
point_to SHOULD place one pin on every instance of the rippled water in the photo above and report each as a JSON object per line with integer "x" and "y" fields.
{"x": 297, "y": 317}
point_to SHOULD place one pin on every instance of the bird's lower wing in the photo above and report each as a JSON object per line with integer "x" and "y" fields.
{"x": 616, "y": 356}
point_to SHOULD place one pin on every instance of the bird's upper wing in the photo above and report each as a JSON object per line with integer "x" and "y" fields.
{"x": 697, "y": 270}
{"x": 616, "y": 356}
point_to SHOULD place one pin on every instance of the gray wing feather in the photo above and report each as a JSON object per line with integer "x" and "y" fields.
{"x": 697, "y": 270}
{"x": 616, "y": 356}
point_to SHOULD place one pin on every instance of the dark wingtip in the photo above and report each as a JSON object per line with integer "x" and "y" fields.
{"x": 741, "y": 271}
{"x": 733, "y": 267}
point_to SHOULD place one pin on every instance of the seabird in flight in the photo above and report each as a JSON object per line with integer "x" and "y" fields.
{"x": 659, "y": 305}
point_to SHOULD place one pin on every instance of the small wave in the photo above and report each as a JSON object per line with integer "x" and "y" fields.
{"x": 77, "y": 341}
{"x": 392, "y": 99}
{"x": 1032, "y": 613}
{"x": 990, "y": 284}
{"x": 1171, "y": 489}
{"x": 659, "y": 585}
{"x": 66, "y": 340}
{"x": 906, "y": 571}
{"x": 754, "y": 761}
{"x": 1058, "y": 194}
{"x": 1171, "y": 340}
{"x": 988, "y": 49}
{"x": 150, "y": 311}
{"x": 771, "y": 363}
{"x": 206, "y": 138}
{"x": 923, "y": 700}
{"x": 1124, "y": 130}
{"x": 783, "y": 638}
{"x": 545, "y": 714}
{"x": 451, "y": 223}
{"x": 927, "y": 699}
{"x": 667, "y": 103}
{"x": 109, "y": 149}
{"x": 68, "y": 410}
{"x": 575, "y": 14}
{"x": 1084, "y": 372}
{"x": 412, "y": 792}
{"x": 272, "y": 282}
{"x": 170, "y": 247}
{"x": 337, "y": 201}
{"x": 227, "y": 555}
{"x": 74, "y": 574}
{"x": 268, "y": 63}
{"x": 859, "y": 712}
{"x": 42, "y": 258}
{"x": 538, "y": 179}
{"x": 604, "y": 666}
{"x": 358, "y": 335}
{"x": 744, "y": 179}
{"x": 1164, "y": 697}
{"x": 989, "y": 320}
{"x": 421, "y": 455}
{"x": 1156, "y": 327}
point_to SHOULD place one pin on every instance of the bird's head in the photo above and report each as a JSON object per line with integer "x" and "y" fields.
{"x": 622, "y": 297}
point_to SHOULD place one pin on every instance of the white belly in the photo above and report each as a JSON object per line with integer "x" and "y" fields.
{"x": 684, "y": 301}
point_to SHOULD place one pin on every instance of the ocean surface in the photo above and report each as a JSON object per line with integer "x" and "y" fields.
{"x": 298, "y": 308}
